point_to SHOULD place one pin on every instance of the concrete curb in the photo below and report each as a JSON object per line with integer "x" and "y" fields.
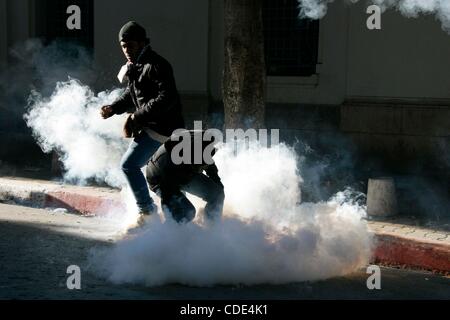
{"x": 390, "y": 249}
{"x": 407, "y": 252}
{"x": 44, "y": 194}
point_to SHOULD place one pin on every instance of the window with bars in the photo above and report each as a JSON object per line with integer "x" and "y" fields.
{"x": 51, "y": 18}
{"x": 290, "y": 43}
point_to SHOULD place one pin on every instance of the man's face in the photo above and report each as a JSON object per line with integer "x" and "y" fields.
{"x": 131, "y": 49}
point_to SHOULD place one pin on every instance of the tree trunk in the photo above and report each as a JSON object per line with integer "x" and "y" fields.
{"x": 244, "y": 78}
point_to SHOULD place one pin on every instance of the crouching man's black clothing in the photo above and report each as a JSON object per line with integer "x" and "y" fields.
{"x": 171, "y": 181}
{"x": 151, "y": 94}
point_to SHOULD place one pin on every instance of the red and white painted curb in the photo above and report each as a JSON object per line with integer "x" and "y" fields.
{"x": 396, "y": 250}
{"x": 47, "y": 194}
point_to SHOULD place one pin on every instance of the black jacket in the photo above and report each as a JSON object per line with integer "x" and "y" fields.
{"x": 152, "y": 95}
{"x": 161, "y": 169}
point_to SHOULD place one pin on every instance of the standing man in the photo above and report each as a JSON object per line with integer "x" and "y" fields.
{"x": 151, "y": 98}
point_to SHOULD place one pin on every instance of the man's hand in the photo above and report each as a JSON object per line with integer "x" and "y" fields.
{"x": 106, "y": 112}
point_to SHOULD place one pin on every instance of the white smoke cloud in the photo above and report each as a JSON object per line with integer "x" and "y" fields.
{"x": 266, "y": 236}
{"x": 314, "y": 9}
{"x": 70, "y": 123}
{"x": 317, "y": 9}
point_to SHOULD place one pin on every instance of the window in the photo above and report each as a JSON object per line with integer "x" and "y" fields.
{"x": 290, "y": 44}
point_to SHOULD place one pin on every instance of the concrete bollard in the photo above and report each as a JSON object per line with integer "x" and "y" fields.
{"x": 381, "y": 197}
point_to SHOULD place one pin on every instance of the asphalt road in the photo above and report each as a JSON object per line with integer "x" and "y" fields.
{"x": 37, "y": 246}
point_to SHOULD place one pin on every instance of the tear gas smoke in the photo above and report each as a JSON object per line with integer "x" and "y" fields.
{"x": 266, "y": 235}
{"x": 317, "y": 9}
{"x": 70, "y": 123}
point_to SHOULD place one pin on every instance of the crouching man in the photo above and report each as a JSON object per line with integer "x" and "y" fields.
{"x": 170, "y": 181}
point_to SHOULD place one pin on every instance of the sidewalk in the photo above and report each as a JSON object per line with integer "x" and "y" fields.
{"x": 43, "y": 194}
{"x": 406, "y": 245}
{"x": 398, "y": 243}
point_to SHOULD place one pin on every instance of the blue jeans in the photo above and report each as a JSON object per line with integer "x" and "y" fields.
{"x": 175, "y": 204}
{"x": 137, "y": 156}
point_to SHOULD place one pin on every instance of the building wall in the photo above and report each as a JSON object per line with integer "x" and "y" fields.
{"x": 390, "y": 86}
{"x": 407, "y": 58}
{"x": 19, "y": 21}
{"x": 398, "y": 95}
{"x": 361, "y": 73}
{"x": 3, "y": 34}
{"x": 178, "y": 30}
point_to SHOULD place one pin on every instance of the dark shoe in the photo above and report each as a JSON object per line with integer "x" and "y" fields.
{"x": 151, "y": 209}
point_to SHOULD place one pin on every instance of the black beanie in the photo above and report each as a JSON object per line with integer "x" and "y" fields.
{"x": 132, "y": 31}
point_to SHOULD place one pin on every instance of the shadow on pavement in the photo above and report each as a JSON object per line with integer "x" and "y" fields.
{"x": 34, "y": 259}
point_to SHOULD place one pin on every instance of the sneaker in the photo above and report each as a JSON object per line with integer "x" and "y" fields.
{"x": 143, "y": 219}
{"x": 151, "y": 209}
